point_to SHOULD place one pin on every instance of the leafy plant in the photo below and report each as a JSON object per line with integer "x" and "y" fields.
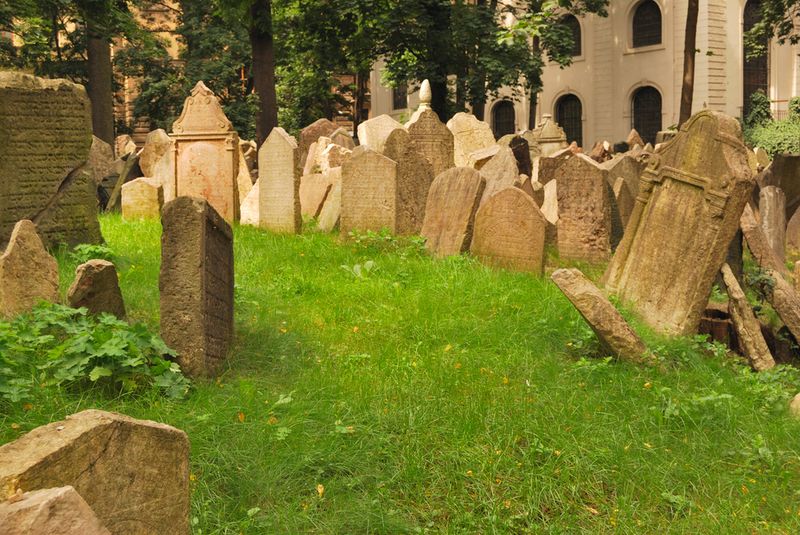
{"x": 361, "y": 271}
{"x": 84, "y": 252}
{"x": 55, "y": 345}
{"x": 759, "y": 110}
{"x": 776, "y": 137}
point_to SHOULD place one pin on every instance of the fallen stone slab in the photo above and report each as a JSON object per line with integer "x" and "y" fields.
{"x": 747, "y": 326}
{"x": 134, "y": 474}
{"x": 614, "y": 333}
{"x": 57, "y": 511}
{"x": 759, "y": 245}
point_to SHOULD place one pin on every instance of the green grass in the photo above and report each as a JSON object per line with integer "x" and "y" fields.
{"x": 443, "y": 397}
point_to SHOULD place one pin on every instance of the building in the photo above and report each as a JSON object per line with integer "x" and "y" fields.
{"x": 627, "y": 72}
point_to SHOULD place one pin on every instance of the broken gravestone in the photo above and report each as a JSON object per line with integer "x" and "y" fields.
{"x": 196, "y": 285}
{"x": 134, "y": 474}
{"x": 28, "y": 274}
{"x": 96, "y": 287}
{"x": 690, "y": 199}
{"x": 450, "y": 211}
{"x": 46, "y": 135}
{"x": 55, "y": 511}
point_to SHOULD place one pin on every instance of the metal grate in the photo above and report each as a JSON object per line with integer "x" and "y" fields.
{"x": 575, "y": 28}
{"x": 503, "y": 118}
{"x": 647, "y": 113}
{"x": 647, "y": 24}
{"x": 569, "y": 115}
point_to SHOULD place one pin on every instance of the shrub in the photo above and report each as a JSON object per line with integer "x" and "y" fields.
{"x": 776, "y": 137}
{"x": 760, "y": 112}
{"x": 794, "y": 109}
{"x": 55, "y": 345}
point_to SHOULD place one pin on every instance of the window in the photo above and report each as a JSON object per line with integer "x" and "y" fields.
{"x": 646, "y": 24}
{"x": 503, "y": 118}
{"x": 574, "y": 27}
{"x": 646, "y": 104}
{"x": 755, "y": 73}
{"x": 569, "y": 115}
{"x": 400, "y": 97}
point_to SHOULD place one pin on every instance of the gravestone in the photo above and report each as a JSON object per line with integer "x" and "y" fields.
{"x": 341, "y": 137}
{"x": 55, "y": 511}
{"x": 500, "y": 172}
{"x": 793, "y": 232}
{"x": 522, "y": 152}
{"x": 481, "y": 157}
{"x": 414, "y": 178}
{"x": 331, "y": 210}
{"x": 96, "y": 287}
{"x": 157, "y": 145}
{"x": 333, "y": 156}
{"x": 549, "y": 137}
{"x": 450, "y": 211}
{"x": 772, "y": 210}
{"x": 142, "y": 199}
{"x": 196, "y": 284}
{"x": 369, "y": 192}
{"x": 629, "y": 168}
{"x": 101, "y": 160}
{"x": 206, "y": 153}
{"x": 584, "y": 210}
{"x": 691, "y": 197}
{"x": 374, "y": 132}
{"x": 615, "y": 335}
{"x": 28, "y": 274}
{"x": 314, "y": 189}
{"x": 129, "y": 170}
{"x": 124, "y": 145}
{"x": 634, "y": 139}
{"x": 311, "y": 133}
{"x": 45, "y": 138}
{"x": 624, "y": 201}
{"x": 249, "y": 208}
{"x": 431, "y": 135}
{"x": 469, "y": 135}
{"x": 509, "y": 232}
{"x": 279, "y": 183}
{"x": 762, "y": 157}
{"x": 758, "y": 243}
{"x": 548, "y": 165}
{"x": 244, "y": 180}
{"x": 134, "y": 474}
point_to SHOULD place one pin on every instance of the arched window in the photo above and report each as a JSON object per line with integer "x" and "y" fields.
{"x": 574, "y": 27}
{"x": 755, "y": 74}
{"x": 503, "y": 118}
{"x": 646, "y": 104}
{"x": 646, "y": 24}
{"x": 569, "y": 115}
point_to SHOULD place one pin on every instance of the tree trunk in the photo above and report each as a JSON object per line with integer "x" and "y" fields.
{"x": 689, "y": 50}
{"x": 536, "y": 86}
{"x": 101, "y": 94}
{"x": 360, "y": 114}
{"x": 263, "y": 50}
{"x": 439, "y": 99}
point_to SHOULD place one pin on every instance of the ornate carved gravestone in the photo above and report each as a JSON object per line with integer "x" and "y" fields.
{"x": 414, "y": 178}
{"x": 509, "y": 232}
{"x": 206, "y": 153}
{"x": 450, "y": 212}
{"x": 196, "y": 284}
{"x": 45, "y": 137}
{"x": 686, "y": 214}
{"x": 430, "y": 134}
{"x": 279, "y": 183}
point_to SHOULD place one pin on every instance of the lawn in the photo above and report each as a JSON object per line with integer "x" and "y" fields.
{"x": 372, "y": 389}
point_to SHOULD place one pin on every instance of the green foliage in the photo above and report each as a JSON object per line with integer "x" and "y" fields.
{"x": 760, "y": 112}
{"x": 56, "y": 346}
{"x": 83, "y": 252}
{"x": 776, "y": 137}
{"x": 794, "y": 108}
{"x": 778, "y": 20}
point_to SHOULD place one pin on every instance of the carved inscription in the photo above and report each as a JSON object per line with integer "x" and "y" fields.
{"x": 369, "y": 192}
{"x": 279, "y": 177}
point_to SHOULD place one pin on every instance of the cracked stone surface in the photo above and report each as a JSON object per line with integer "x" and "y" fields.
{"x": 57, "y": 511}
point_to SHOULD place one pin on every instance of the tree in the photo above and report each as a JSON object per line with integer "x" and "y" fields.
{"x": 263, "y": 49}
{"x": 779, "y": 20}
{"x": 689, "y": 51}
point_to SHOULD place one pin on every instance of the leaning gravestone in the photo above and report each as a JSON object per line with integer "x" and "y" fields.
{"x": 55, "y": 511}
{"x": 414, "y": 178}
{"x": 157, "y": 161}
{"x": 584, "y": 210}
{"x": 629, "y": 168}
{"x": 374, "y": 132}
{"x": 509, "y": 232}
{"x": 96, "y": 287}
{"x": 206, "y": 153}
{"x": 772, "y": 209}
{"x": 28, "y": 274}
{"x": 369, "y": 192}
{"x": 142, "y": 199}
{"x": 500, "y": 172}
{"x": 331, "y": 210}
{"x": 548, "y": 165}
{"x": 469, "y": 135}
{"x": 430, "y": 134}
{"x": 450, "y": 211}
{"x": 46, "y": 135}
{"x": 134, "y": 474}
{"x": 196, "y": 284}
{"x": 690, "y": 200}
{"x": 101, "y": 160}
{"x": 279, "y": 183}
{"x": 311, "y": 133}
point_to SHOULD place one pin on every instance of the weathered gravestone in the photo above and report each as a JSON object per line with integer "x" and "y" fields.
{"x": 758, "y": 243}
{"x": 548, "y": 165}
{"x": 101, "y": 160}
{"x": 56, "y": 511}
{"x": 509, "y": 232}
{"x": 142, "y": 199}
{"x": 793, "y": 232}
{"x": 124, "y": 145}
{"x": 314, "y": 190}
{"x": 341, "y": 137}
{"x": 627, "y": 167}
{"x": 374, "y": 132}
{"x": 772, "y": 211}
{"x": 96, "y": 287}
{"x": 469, "y": 135}
{"x": 206, "y": 153}
{"x": 613, "y": 332}
{"x": 369, "y": 192}
{"x": 249, "y": 210}
{"x": 450, "y": 211}
{"x": 134, "y": 474}
{"x": 311, "y": 133}
{"x": 430, "y": 134}
{"x": 196, "y": 284}
{"x": 331, "y": 210}
{"x": 549, "y": 137}
{"x": 45, "y": 138}
{"x": 634, "y": 139}
{"x": 279, "y": 183}
{"x": 500, "y": 172}
{"x": 584, "y": 210}
{"x": 690, "y": 199}
{"x": 28, "y": 274}
{"x": 414, "y": 178}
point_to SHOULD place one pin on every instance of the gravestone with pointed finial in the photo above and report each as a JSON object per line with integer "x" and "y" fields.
{"x": 430, "y": 135}
{"x": 207, "y": 153}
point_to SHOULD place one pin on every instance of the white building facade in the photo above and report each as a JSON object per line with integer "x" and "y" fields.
{"x": 627, "y": 72}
